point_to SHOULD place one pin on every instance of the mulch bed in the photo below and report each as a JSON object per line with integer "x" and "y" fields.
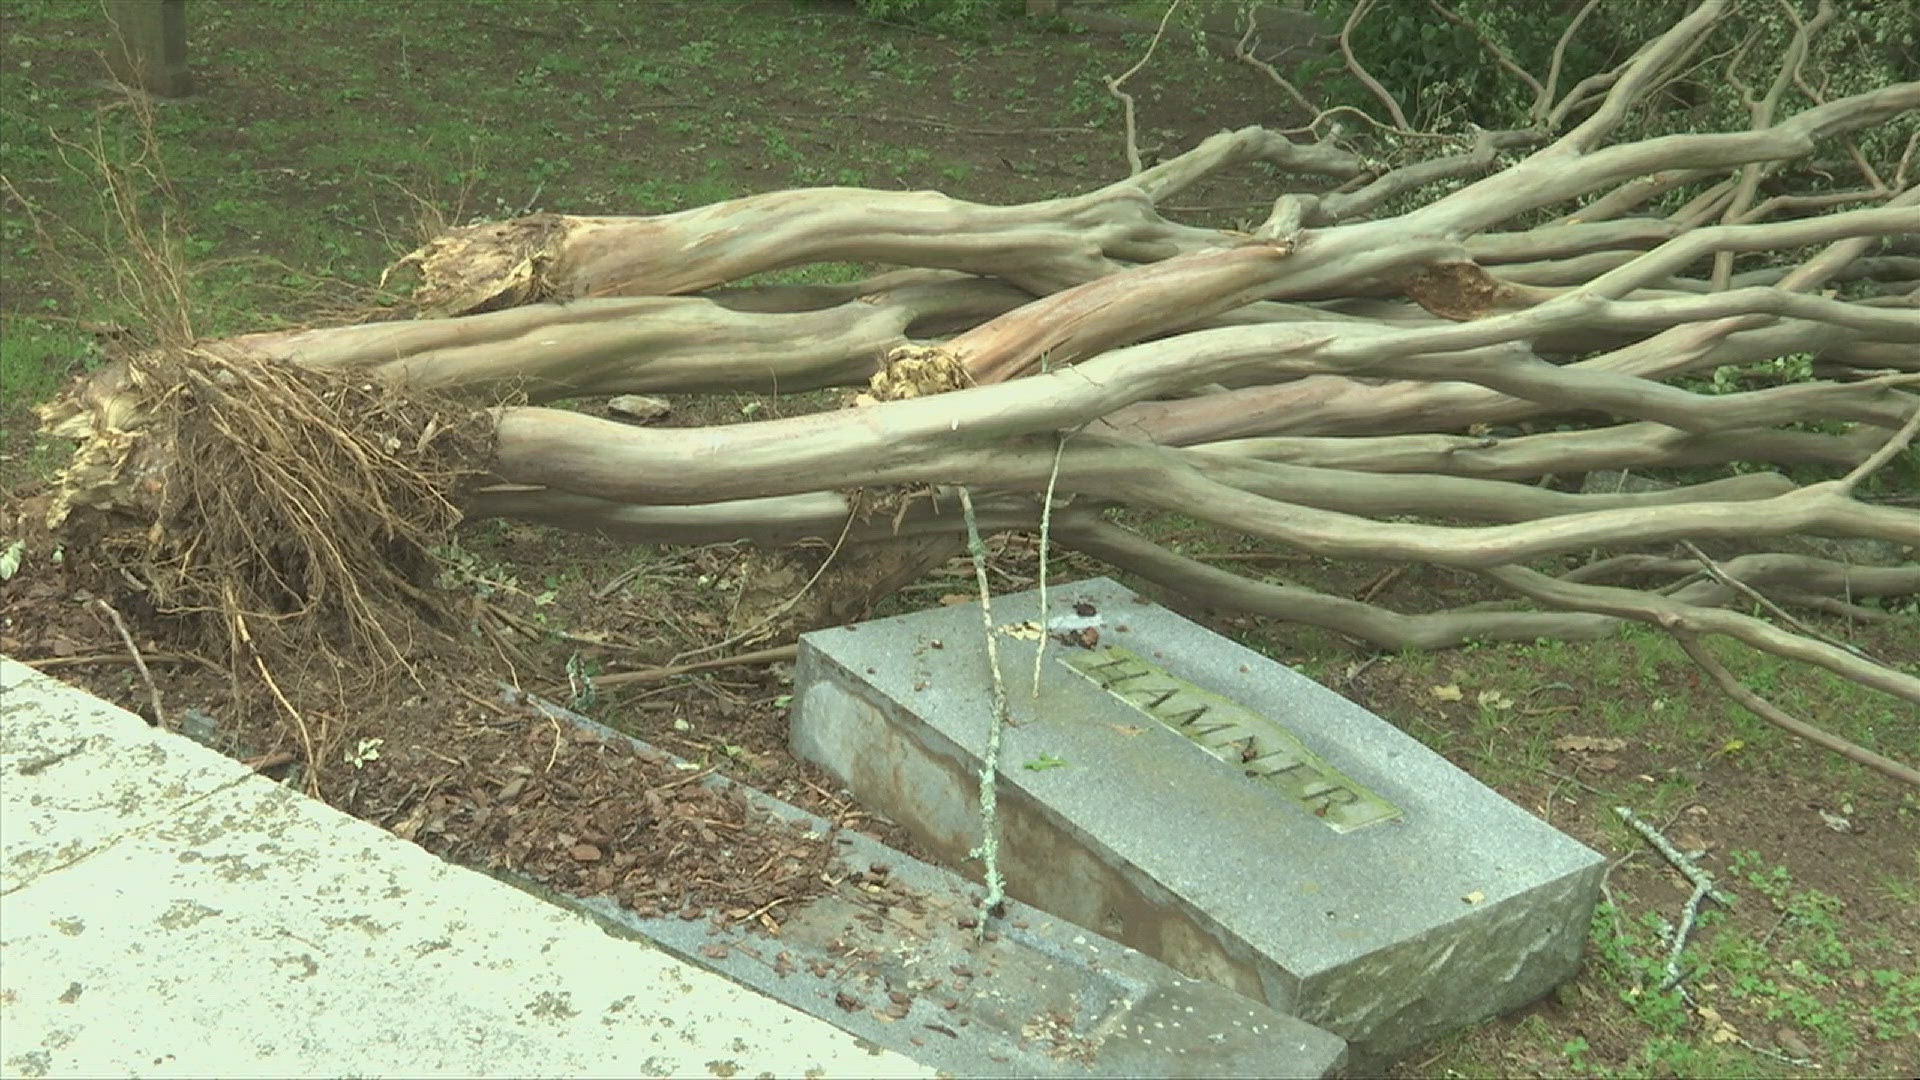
{"x": 591, "y": 816}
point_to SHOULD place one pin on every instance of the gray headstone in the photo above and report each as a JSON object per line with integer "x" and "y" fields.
{"x": 1179, "y": 793}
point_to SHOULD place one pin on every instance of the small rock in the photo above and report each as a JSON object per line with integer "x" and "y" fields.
{"x": 199, "y": 725}
{"x": 638, "y": 407}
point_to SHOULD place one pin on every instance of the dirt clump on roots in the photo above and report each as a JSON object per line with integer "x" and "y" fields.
{"x": 279, "y": 521}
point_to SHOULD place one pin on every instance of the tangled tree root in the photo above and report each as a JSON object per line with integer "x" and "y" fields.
{"x": 281, "y": 516}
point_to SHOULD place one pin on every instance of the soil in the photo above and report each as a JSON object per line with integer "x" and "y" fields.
{"x": 470, "y": 771}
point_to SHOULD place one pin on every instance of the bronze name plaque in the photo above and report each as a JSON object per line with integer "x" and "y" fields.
{"x": 1255, "y": 744}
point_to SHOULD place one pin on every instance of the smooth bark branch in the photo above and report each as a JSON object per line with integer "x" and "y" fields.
{"x": 1366, "y": 622}
{"x": 1639, "y": 75}
{"x": 1621, "y": 447}
{"x": 1892, "y": 220}
{"x": 1543, "y": 101}
{"x": 1372, "y": 84}
{"x": 1670, "y": 615}
{"x": 1778, "y": 717}
{"x": 1556, "y": 174}
{"x": 1041, "y": 247}
{"x": 636, "y": 345}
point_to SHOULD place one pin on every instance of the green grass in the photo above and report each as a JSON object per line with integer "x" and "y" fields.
{"x": 37, "y": 355}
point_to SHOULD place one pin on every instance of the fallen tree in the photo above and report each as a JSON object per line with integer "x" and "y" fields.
{"x": 1428, "y": 363}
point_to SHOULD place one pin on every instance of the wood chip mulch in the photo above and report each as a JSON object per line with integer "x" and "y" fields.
{"x": 588, "y": 817}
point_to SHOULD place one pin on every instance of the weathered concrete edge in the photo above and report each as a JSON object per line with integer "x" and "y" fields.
{"x": 413, "y": 966}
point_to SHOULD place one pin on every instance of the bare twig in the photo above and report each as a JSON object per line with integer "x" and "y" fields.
{"x": 43, "y": 662}
{"x": 1674, "y": 856}
{"x": 272, "y": 760}
{"x": 1688, "y": 913}
{"x": 1243, "y": 51}
{"x": 1134, "y": 165}
{"x": 1046, "y": 530}
{"x": 1640, "y": 75}
{"x": 308, "y": 750}
{"x": 1674, "y": 616}
{"x": 1359, "y": 72}
{"x": 139, "y": 662}
{"x": 1762, "y": 112}
{"x": 1720, "y": 574}
{"x": 1500, "y": 56}
{"x": 785, "y": 605}
{"x": 1542, "y": 104}
{"x": 537, "y": 632}
{"x": 775, "y": 655}
{"x": 1883, "y": 455}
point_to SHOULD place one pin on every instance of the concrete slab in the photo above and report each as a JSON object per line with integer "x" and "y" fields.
{"x": 891, "y": 955}
{"x": 93, "y": 774}
{"x": 1179, "y": 793}
{"x": 166, "y": 913}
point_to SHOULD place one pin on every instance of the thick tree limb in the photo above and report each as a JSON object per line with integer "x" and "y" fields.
{"x": 1378, "y": 626}
{"x": 1623, "y": 446}
{"x": 636, "y": 345}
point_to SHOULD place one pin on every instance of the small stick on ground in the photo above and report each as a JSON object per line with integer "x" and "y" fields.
{"x": 271, "y": 761}
{"x": 774, "y": 655}
{"x": 786, "y": 605}
{"x": 1693, "y": 871}
{"x": 153, "y": 689}
{"x": 1703, "y": 887}
{"x": 118, "y": 658}
{"x": 299, "y": 721}
{"x": 1688, "y": 913}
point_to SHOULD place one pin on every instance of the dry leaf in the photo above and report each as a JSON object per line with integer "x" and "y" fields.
{"x": 1691, "y": 843}
{"x": 1603, "y": 763}
{"x": 585, "y": 853}
{"x": 954, "y": 599}
{"x": 1494, "y": 699}
{"x": 1449, "y": 692}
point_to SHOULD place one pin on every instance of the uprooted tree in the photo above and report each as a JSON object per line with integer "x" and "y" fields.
{"x": 1349, "y": 378}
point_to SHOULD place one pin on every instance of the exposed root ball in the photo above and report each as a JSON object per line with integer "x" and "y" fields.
{"x": 278, "y": 511}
